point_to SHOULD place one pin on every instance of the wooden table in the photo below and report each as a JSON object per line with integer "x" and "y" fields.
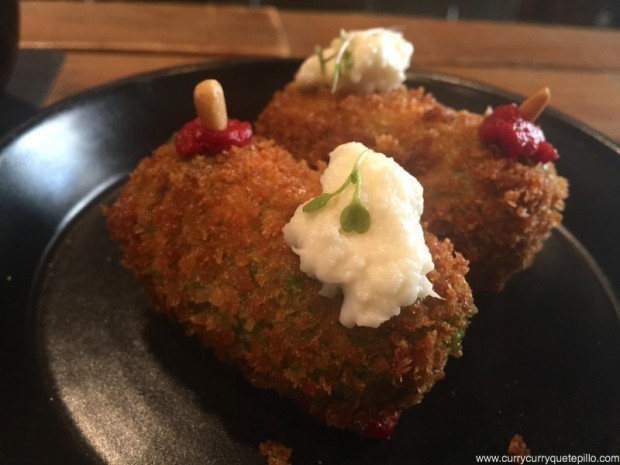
{"x": 106, "y": 41}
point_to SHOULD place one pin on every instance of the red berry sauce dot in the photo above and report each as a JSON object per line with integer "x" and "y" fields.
{"x": 518, "y": 138}
{"x": 193, "y": 138}
{"x": 381, "y": 429}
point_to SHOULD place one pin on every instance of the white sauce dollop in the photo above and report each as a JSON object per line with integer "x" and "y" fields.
{"x": 371, "y": 60}
{"x": 379, "y": 270}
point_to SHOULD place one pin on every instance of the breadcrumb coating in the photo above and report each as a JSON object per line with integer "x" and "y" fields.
{"x": 275, "y": 453}
{"x": 204, "y": 237}
{"x": 497, "y": 211}
{"x": 518, "y": 448}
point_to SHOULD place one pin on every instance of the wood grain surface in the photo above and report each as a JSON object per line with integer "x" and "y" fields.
{"x": 107, "y": 41}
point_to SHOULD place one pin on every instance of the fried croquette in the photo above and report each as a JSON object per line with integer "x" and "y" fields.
{"x": 497, "y": 211}
{"x": 204, "y": 237}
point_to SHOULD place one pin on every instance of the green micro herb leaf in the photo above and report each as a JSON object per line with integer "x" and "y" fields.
{"x": 355, "y": 217}
{"x": 343, "y": 59}
{"x": 321, "y": 200}
{"x": 336, "y": 77}
{"x": 317, "y": 202}
{"x": 318, "y": 50}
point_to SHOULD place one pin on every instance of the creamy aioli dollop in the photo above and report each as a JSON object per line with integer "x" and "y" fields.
{"x": 372, "y": 60}
{"x": 379, "y": 270}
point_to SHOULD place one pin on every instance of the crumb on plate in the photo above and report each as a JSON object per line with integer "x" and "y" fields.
{"x": 275, "y": 453}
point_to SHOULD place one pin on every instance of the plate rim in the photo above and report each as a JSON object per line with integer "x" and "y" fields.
{"x": 411, "y": 73}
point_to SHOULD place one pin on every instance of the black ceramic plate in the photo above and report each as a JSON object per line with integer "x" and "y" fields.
{"x": 91, "y": 375}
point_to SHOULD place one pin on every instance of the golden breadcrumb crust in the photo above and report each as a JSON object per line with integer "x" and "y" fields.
{"x": 203, "y": 236}
{"x": 518, "y": 448}
{"x": 275, "y": 453}
{"x": 497, "y": 211}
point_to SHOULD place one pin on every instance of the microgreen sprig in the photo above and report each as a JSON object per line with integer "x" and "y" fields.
{"x": 343, "y": 59}
{"x": 355, "y": 217}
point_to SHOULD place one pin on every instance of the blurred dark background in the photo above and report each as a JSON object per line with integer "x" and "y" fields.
{"x": 591, "y": 13}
